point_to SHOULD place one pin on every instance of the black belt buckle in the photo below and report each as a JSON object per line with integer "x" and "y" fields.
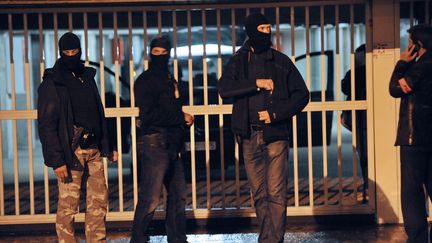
{"x": 256, "y": 127}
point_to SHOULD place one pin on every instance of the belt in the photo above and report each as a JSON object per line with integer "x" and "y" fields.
{"x": 256, "y": 127}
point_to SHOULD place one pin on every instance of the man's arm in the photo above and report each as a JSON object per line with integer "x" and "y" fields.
{"x": 229, "y": 85}
{"x": 48, "y": 119}
{"x": 297, "y": 101}
{"x": 395, "y": 88}
{"x": 400, "y": 85}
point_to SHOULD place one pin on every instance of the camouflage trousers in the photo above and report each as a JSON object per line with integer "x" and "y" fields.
{"x": 96, "y": 199}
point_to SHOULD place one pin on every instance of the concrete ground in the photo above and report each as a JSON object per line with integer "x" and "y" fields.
{"x": 302, "y": 233}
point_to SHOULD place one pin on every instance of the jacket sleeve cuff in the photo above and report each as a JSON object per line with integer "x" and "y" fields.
{"x": 57, "y": 165}
{"x": 274, "y": 116}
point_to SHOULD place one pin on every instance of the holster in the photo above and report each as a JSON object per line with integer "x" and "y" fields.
{"x": 83, "y": 138}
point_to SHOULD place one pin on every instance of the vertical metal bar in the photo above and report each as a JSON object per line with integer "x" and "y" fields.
{"x": 370, "y": 100}
{"x": 278, "y": 34}
{"x": 159, "y": 14}
{"x": 237, "y": 172}
{"x": 70, "y": 22}
{"x": 237, "y": 161}
{"x": 295, "y": 145}
{"x": 145, "y": 63}
{"x": 220, "y": 102}
{"x": 338, "y": 98}
{"x": 119, "y": 132}
{"x": 164, "y": 189}
{"x": 192, "y": 129}
{"x": 101, "y": 58}
{"x": 14, "y": 124}
{"x": 206, "y": 116}
{"x": 324, "y": 113}
{"x": 41, "y": 45}
{"x": 233, "y": 30}
{"x": 102, "y": 86}
{"x": 2, "y": 194}
{"x": 132, "y": 104}
{"x": 411, "y": 13}
{"x": 309, "y": 115}
{"x": 42, "y": 68}
{"x": 353, "y": 112}
{"x": 55, "y": 20}
{"x": 175, "y": 60}
{"x": 86, "y": 39}
{"x": 29, "y": 121}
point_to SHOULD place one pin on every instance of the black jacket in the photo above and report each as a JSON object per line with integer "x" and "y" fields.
{"x": 159, "y": 110}
{"x": 55, "y": 119}
{"x": 415, "y": 114}
{"x": 289, "y": 96}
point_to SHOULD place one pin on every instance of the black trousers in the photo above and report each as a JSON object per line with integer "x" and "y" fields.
{"x": 160, "y": 165}
{"x": 266, "y": 167}
{"x": 416, "y": 173}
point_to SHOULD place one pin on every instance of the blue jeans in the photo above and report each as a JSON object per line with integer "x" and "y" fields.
{"x": 160, "y": 165}
{"x": 416, "y": 172}
{"x": 266, "y": 168}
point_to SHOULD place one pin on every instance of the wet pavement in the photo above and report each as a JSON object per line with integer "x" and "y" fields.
{"x": 306, "y": 233}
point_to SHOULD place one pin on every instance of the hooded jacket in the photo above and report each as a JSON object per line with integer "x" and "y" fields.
{"x": 55, "y": 119}
{"x": 290, "y": 94}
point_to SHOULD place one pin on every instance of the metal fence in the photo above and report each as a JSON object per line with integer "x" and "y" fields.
{"x": 319, "y": 36}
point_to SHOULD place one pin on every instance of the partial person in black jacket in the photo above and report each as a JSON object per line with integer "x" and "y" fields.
{"x": 160, "y": 138}
{"x": 361, "y": 128}
{"x": 412, "y": 82}
{"x": 268, "y": 91}
{"x": 74, "y": 137}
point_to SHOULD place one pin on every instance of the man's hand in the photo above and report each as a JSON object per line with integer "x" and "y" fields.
{"x": 404, "y": 86}
{"x": 61, "y": 173}
{"x": 408, "y": 54}
{"x": 266, "y": 84}
{"x": 189, "y": 119}
{"x": 113, "y": 157}
{"x": 264, "y": 116}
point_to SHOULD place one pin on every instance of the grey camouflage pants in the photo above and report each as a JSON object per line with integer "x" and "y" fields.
{"x": 96, "y": 200}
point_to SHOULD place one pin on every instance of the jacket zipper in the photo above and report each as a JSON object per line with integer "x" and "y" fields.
{"x": 410, "y": 122}
{"x": 78, "y": 77}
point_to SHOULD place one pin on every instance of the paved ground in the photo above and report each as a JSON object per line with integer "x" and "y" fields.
{"x": 322, "y": 234}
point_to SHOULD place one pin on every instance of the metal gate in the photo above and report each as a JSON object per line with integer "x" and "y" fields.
{"x": 319, "y": 36}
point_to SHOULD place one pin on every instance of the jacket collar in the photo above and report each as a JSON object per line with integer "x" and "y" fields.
{"x": 426, "y": 55}
{"x": 59, "y": 70}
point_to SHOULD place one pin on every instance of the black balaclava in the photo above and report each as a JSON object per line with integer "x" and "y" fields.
{"x": 160, "y": 61}
{"x": 260, "y": 41}
{"x": 70, "y": 41}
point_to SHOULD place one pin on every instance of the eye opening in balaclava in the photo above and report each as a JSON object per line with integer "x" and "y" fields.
{"x": 160, "y": 61}
{"x": 260, "y": 41}
{"x": 70, "y": 41}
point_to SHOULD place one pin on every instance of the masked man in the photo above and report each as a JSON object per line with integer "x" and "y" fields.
{"x": 268, "y": 91}
{"x": 72, "y": 130}
{"x": 162, "y": 123}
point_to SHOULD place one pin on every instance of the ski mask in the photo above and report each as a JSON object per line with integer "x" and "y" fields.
{"x": 70, "y": 41}
{"x": 260, "y": 41}
{"x": 160, "y": 61}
